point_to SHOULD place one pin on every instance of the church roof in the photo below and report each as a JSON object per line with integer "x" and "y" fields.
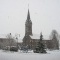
{"x": 37, "y": 36}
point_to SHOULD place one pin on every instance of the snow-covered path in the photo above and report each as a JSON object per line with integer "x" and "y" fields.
{"x": 51, "y": 55}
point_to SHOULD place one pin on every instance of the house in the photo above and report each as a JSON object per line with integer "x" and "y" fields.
{"x": 6, "y": 42}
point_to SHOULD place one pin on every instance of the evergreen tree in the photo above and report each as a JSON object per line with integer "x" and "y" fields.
{"x": 40, "y": 46}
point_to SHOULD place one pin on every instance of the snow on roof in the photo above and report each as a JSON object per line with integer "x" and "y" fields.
{"x": 37, "y": 36}
{"x": 3, "y": 36}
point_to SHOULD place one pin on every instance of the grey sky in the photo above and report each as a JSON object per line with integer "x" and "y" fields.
{"x": 45, "y": 16}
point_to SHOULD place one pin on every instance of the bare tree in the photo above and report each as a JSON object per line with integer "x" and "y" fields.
{"x": 55, "y": 39}
{"x": 54, "y": 34}
{"x": 9, "y": 35}
{"x": 17, "y": 37}
{"x": 11, "y": 39}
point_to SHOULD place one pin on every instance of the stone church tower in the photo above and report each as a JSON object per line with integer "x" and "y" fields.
{"x": 28, "y": 25}
{"x": 28, "y": 31}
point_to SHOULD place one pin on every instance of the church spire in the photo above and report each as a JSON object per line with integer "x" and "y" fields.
{"x": 28, "y": 25}
{"x": 28, "y": 16}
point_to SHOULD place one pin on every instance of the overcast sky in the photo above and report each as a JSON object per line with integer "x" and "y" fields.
{"x": 45, "y": 16}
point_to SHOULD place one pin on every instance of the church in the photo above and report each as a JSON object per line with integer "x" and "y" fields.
{"x": 31, "y": 41}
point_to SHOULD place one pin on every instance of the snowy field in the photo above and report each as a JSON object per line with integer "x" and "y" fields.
{"x": 51, "y": 55}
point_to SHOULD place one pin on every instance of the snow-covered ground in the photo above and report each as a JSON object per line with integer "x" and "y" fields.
{"x": 51, "y": 55}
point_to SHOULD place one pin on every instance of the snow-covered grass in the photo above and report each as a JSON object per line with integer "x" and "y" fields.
{"x": 51, "y": 55}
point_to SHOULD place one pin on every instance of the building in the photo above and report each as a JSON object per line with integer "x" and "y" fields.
{"x": 6, "y": 42}
{"x": 31, "y": 41}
